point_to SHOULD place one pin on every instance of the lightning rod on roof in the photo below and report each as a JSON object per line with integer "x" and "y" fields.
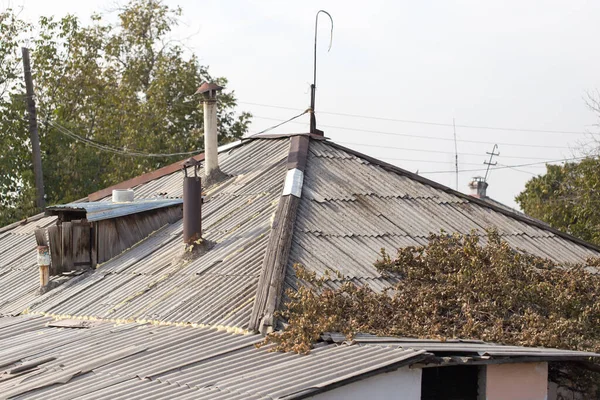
{"x": 313, "y": 87}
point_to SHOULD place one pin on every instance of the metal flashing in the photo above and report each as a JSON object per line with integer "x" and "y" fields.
{"x": 293, "y": 183}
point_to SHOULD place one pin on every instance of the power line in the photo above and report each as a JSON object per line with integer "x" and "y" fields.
{"x": 114, "y": 150}
{"x": 422, "y": 122}
{"x": 278, "y": 125}
{"x": 424, "y": 161}
{"x": 434, "y": 151}
{"x": 121, "y": 151}
{"x": 425, "y": 136}
{"x": 506, "y": 166}
{"x": 519, "y": 170}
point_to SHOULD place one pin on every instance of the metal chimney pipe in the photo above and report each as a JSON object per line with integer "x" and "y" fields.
{"x": 478, "y": 187}
{"x": 209, "y": 92}
{"x": 192, "y": 203}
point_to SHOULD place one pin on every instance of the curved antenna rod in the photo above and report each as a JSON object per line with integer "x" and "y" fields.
{"x": 313, "y": 120}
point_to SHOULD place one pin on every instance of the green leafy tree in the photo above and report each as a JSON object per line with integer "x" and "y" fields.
{"x": 567, "y": 197}
{"x": 124, "y": 85}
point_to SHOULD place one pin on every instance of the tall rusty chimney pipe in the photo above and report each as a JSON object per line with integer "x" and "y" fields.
{"x": 192, "y": 203}
{"x": 209, "y": 92}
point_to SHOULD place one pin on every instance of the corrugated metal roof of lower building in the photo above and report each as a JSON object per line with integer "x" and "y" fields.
{"x": 147, "y": 361}
{"x": 457, "y": 346}
{"x": 151, "y": 282}
{"x": 352, "y": 207}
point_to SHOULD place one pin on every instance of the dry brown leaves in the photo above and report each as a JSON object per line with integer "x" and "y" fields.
{"x": 458, "y": 286}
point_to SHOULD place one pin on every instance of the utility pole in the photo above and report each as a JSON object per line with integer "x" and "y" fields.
{"x": 490, "y": 163}
{"x": 33, "y": 131}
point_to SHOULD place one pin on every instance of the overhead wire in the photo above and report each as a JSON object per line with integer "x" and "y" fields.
{"x": 280, "y": 124}
{"x": 433, "y": 151}
{"x": 424, "y": 122}
{"x": 122, "y": 151}
{"x": 418, "y": 136}
{"x": 506, "y": 166}
{"x": 115, "y": 150}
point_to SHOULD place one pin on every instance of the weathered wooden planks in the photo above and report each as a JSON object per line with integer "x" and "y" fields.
{"x": 55, "y": 238}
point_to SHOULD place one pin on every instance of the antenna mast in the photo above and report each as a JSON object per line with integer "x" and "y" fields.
{"x": 313, "y": 87}
{"x": 455, "y": 153}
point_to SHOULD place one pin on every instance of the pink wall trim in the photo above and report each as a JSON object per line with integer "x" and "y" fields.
{"x": 527, "y": 381}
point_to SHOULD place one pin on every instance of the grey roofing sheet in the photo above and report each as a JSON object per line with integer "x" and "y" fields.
{"x": 150, "y": 282}
{"x": 455, "y": 346}
{"x": 100, "y": 210}
{"x": 351, "y": 208}
{"x": 139, "y": 361}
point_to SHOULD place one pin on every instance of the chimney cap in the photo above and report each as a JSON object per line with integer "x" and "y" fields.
{"x": 190, "y": 162}
{"x": 208, "y": 87}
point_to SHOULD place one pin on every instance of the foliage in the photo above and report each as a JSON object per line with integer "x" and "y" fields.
{"x": 567, "y": 197}
{"x": 126, "y": 84}
{"x": 457, "y": 286}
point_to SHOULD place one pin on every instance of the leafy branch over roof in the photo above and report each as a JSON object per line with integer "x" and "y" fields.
{"x": 457, "y": 286}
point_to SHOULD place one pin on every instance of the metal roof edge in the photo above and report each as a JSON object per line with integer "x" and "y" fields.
{"x": 152, "y": 175}
{"x": 418, "y": 357}
{"x": 35, "y": 217}
{"x": 421, "y": 179}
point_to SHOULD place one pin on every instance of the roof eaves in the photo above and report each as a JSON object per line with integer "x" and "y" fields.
{"x": 421, "y": 179}
{"x": 412, "y": 357}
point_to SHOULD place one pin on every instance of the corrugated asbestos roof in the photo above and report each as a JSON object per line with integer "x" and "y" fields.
{"x": 149, "y": 282}
{"x": 144, "y": 361}
{"x": 137, "y": 361}
{"x": 100, "y": 210}
{"x": 19, "y": 273}
{"x": 351, "y": 208}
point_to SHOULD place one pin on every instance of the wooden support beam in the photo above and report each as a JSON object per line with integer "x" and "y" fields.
{"x": 55, "y": 236}
{"x": 43, "y": 256}
{"x": 272, "y": 276}
{"x": 67, "y": 247}
{"x": 40, "y": 237}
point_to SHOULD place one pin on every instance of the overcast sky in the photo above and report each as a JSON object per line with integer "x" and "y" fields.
{"x": 503, "y": 64}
